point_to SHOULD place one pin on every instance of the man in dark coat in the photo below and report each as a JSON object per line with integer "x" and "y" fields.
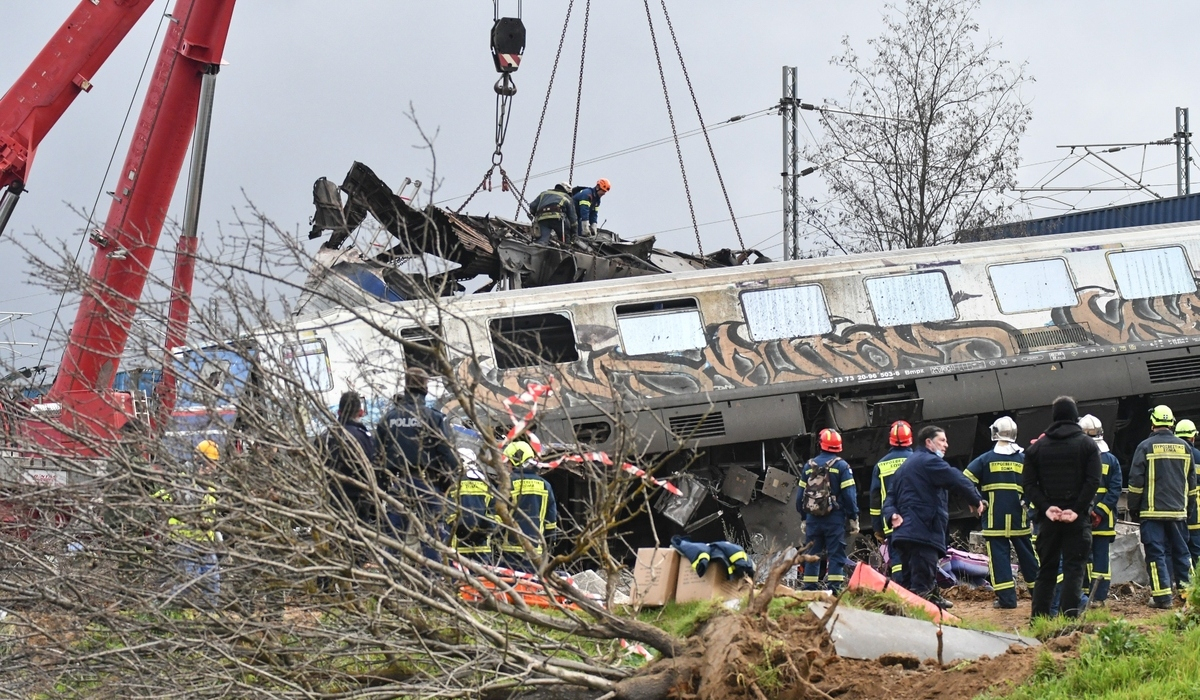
{"x": 350, "y": 458}
{"x": 918, "y": 509}
{"x": 1062, "y": 476}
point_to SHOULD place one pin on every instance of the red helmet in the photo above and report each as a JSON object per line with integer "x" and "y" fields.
{"x": 831, "y": 440}
{"x": 901, "y": 434}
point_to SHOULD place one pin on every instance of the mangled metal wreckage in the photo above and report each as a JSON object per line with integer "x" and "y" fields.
{"x": 500, "y": 249}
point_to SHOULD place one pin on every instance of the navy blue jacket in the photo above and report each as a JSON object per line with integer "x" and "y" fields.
{"x": 342, "y": 459}
{"x": 920, "y": 495}
{"x": 701, "y": 553}
{"x": 841, "y": 481}
{"x": 1001, "y": 479}
{"x": 414, "y": 440}
{"x": 587, "y": 205}
{"x": 881, "y": 483}
{"x": 535, "y": 511}
{"x": 1109, "y": 493}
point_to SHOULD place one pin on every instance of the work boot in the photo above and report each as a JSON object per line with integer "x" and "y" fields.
{"x": 938, "y": 600}
{"x": 1161, "y": 604}
{"x": 1001, "y": 606}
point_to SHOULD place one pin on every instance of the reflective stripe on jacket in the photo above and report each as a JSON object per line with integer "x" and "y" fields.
{"x": 1160, "y": 477}
{"x": 470, "y": 518}
{"x": 841, "y": 482}
{"x": 553, "y": 205}
{"x": 206, "y": 512}
{"x": 881, "y": 483}
{"x": 1107, "y": 495}
{"x": 999, "y": 477}
{"x": 701, "y": 554}
{"x": 535, "y": 511}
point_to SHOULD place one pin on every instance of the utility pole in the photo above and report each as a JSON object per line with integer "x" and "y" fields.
{"x": 791, "y": 165}
{"x": 1183, "y": 145}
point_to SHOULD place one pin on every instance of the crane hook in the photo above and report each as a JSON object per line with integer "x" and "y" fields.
{"x": 505, "y": 87}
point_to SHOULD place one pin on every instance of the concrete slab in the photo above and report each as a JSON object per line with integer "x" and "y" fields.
{"x": 1126, "y": 557}
{"x": 861, "y": 634}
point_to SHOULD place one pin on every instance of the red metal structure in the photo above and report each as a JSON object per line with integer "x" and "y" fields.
{"x": 81, "y": 398}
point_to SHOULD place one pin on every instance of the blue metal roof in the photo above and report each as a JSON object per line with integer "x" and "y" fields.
{"x": 1168, "y": 210}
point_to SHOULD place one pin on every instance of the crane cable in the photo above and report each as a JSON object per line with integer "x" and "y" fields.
{"x": 587, "y": 13}
{"x": 545, "y": 105}
{"x": 674, "y": 132}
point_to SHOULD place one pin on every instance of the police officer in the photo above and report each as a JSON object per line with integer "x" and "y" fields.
{"x": 1186, "y": 431}
{"x": 1104, "y": 510}
{"x": 900, "y": 437}
{"x": 553, "y": 212}
{"x": 828, "y": 501}
{"x": 998, "y": 475}
{"x": 587, "y": 205}
{"x": 1160, "y": 477}
{"x": 533, "y": 508}
{"x": 471, "y": 517}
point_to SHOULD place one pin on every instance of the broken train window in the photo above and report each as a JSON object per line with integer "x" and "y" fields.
{"x": 900, "y": 300}
{"x": 787, "y": 312}
{"x": 310, "y": 361}
{"x": 422, "y": 348}
{"x": 534, "y": 339}
{"x": 1152, "y": 273}
{"x": 1033, "y": 286}
{"x": 672, "y": 325}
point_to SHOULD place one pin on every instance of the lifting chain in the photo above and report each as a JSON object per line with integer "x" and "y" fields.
{"x": 587, "y": 13}
{"x": 712, "y": 154}
{"x": 545, "y": 104}
{"x": 674, "y": 132}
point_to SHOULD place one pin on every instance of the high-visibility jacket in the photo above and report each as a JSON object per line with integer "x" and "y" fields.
{"x": 881, "y": 481}
{"x": 535, "y": 511}
{"x": 471, "y": 518}
{"x": 1108, "y": 494}
{"x": 202, "y": 512}
{"x": 999, "y": 478}
{"x": 587, "y": 205}
{"x": 554, "y": 205}
{"x": 841, "y": 482}
{"x": 701, "y": 554}
{"x": 1160, "y": 477}
{"x": 1193, "y": 509}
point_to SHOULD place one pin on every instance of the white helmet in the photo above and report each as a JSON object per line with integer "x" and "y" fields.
{"x": 1092, "y": 426}
{"x": 1005, "y": 429}
{"x": 564, "y": 186}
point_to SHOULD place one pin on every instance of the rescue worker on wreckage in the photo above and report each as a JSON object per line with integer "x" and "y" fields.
{"x": 553, "y": 212}
{"x": 587, "y": 205}
{"x": 1160, "y": 477}
{"x": 1104, "y": 511}
{"x": 414, "y": 445}
{"x": 900, "y": 437}
{"x": 918, "y": 509}
{"x": 998, "y": 475}
{"x": 1186, "y": 430}
{"x": 827, "y": 499}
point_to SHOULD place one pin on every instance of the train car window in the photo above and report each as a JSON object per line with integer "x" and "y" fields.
{"x": 527, "y": 341}
{"x": 788, "y": 312}
{"x": 900, "y": 300}
{"x": 424, "y": 345}
{"x": 1033, "y": 286}
{"x": 668, "y": 326}
{"x": 1152, "y": 273}
{"x": 310, "y": 361}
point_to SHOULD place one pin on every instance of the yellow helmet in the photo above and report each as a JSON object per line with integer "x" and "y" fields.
{"x": 1162, "y": 416}
{"x": 1185, "y": 429}
{"x": 518, "y": 453}
{"x": 209, "y": 450}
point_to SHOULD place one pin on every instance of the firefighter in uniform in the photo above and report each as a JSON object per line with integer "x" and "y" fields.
{"x": 471, "y": 519}
{"x": 900, "y": 437}
{"x": 533, "y": 508}
{"x": 998, "y": 474}
{"x": 827, "y": 499}
{"x": 553, "y": 211}
{"x": 1104, "y": 510}
{"x": 1186, "y": 430}
{"x": 1160, "y": 477}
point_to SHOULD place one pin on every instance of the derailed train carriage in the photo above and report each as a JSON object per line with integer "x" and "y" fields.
{"x": 732, "y": 372}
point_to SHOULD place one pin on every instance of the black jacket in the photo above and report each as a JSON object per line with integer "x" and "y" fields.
{"x": 342, "y": 458}
{"x": 1160, "y": 477}
{"x": 415, "y": 441}
{"x": 919, "y": 494}
{"x": 1062, "y": 469}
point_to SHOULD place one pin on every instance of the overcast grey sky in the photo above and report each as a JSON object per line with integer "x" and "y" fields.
{"x": 313, "y": 85}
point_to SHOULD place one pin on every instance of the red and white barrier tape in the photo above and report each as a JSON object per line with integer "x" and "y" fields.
{"x": 636, "y": 649}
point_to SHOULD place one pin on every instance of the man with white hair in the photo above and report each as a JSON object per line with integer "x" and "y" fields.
{"x": 1104, "y": 511}
{"x": 998, "y": 475}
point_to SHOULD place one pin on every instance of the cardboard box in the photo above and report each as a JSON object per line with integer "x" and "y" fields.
{"x": 654, "y": 576}
{"x": 715, "y": 584}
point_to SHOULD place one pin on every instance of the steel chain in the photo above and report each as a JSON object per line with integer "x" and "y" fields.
{"x": 674, "y": 132}
{"x": 696, "y": 103}
{"x": 587, "y": 13}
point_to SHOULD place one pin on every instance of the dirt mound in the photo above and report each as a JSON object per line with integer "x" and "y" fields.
{"x": 869, "y": 679}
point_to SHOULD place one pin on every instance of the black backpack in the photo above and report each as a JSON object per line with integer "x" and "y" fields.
{"x": 819, "y": 499}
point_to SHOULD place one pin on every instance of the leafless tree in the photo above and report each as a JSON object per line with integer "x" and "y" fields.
{"x": 931, "y": 145}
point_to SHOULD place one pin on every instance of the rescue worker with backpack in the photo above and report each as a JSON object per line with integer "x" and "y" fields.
{"x": 587, "y": 205}
{"x": 997, "y": 473}
{"x": 1160, "y": 477}
{"x": 553, "y": 212}
{"x": 900, "y": 437}
{"x": 829, "y": 503}
{"x": 1104, "y": 510}
{"x": 532, "y": 506}
{"x": 1186, "y": 431}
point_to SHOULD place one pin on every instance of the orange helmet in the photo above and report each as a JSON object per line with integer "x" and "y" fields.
{"x": 831, "y": 440}
{"x": 901, "y": 434}
{"x": 603, "y": 185}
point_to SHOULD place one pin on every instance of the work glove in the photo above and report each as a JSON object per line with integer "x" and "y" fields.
{"x": 851, "y": 526}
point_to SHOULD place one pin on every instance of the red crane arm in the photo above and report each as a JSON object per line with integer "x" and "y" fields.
{"x": 125, "y": 247}
{"x": 62, "y": 70}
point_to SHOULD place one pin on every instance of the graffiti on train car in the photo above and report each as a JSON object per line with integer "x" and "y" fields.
{"x": 852, "y": 353}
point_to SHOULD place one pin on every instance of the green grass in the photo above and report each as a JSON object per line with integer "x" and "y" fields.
{"x": 681, "y": 619}
{"x": 1122, "y": 661}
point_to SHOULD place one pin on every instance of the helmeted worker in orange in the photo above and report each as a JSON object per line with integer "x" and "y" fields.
{"x": 587, "y": 205}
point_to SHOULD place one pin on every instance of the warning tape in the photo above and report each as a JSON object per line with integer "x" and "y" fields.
{"x": 636, "y": 649}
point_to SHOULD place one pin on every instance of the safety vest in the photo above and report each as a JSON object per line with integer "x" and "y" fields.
{"x": 1000, "y": 479}
{"x": 536, "y": 511}
{"x": 207, "y": 513}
